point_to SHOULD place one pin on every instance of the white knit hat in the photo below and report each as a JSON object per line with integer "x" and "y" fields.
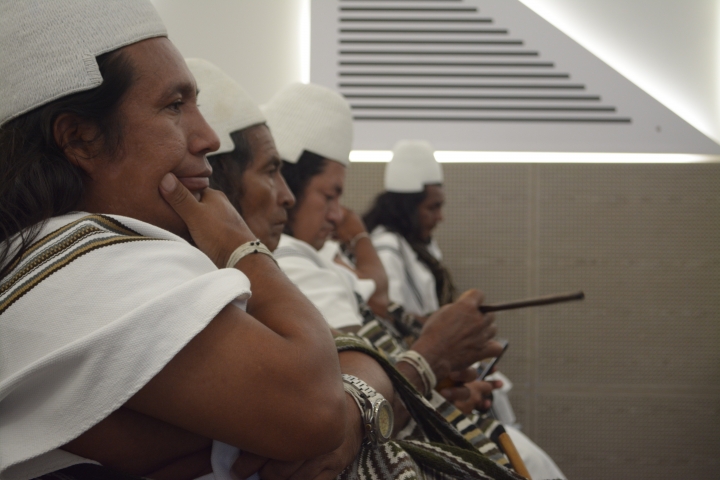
{"x": 48, "y": 47}
{"x": 313, "y": 118}
{"x": 226, "y": 106}
{"x": 412, "y": 167}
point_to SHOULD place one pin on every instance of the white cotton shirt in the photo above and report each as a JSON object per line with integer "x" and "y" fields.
{"x": 365, "y": 287}
{"x": 80, "y": 343}
{"x": 330, "y": 287}
{"x": 411, "y": 284}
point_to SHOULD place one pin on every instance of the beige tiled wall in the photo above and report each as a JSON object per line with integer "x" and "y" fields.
{"x": 627, "y": 383}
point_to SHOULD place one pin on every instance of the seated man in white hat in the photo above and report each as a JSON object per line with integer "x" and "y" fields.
{"x": 312, "y": 127}
{"x": 401, "y": 223}
{"x": 402, "y": 220}
{"x": 247, "y": 168}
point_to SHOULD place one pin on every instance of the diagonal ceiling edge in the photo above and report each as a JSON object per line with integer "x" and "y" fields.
{"x": 482, "y": 75}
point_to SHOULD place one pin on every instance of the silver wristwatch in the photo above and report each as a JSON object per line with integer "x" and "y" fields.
{"x": 377, "y": 414}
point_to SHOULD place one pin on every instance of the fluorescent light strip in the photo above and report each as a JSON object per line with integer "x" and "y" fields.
{"x": 371, "y": 156}
{"x": 384, "y": 156}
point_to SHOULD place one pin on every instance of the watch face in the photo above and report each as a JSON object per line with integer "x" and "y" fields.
{"x": 385, "y": 420}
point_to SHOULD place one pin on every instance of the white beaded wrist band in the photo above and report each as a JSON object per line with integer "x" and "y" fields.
{"x": 357, "y": 238}
{"x": 419, "y": 363}
{"x": 255, "y": 246}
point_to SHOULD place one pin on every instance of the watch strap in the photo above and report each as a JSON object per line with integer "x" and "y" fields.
{"x": 365, "y": 397}
{"x": 355, "y": 394}
{"x": 363, "y": 387}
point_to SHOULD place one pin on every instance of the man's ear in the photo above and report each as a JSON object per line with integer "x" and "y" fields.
{"x": 78, "y": 139}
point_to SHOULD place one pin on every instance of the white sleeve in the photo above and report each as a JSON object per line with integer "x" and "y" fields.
{"x": 324, "y": 288}
{"x": 388, "y": 249}
{"x": 395, "y": 269}
{"x": 92, "y": 331}
{"x": 365, "y": 287}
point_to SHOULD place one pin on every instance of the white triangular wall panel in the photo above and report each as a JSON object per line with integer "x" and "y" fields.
{"x": 482, "y": 75}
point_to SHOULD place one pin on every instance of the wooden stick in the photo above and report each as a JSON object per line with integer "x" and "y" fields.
{"x": 533, "y": 302}
{"x": 508, "y": 447}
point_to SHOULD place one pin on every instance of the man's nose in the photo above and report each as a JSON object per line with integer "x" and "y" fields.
{"x": 335, "y": 214}
{"x": 203, "y": 139}
{"x": 285, "y": 196}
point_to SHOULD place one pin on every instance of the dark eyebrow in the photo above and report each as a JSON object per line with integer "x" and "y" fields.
{"x": 186, "y": 89}
{"x": 273, "y": 162}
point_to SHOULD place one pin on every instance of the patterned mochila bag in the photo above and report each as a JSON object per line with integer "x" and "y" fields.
{"x": 434, "y": 450}
{"x": 392, "y": 338}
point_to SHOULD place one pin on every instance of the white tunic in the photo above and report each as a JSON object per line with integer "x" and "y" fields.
{"x": 111, "y": 310}
{"x": 332, "y": 254}
{"x": 410, "y": 282}
{"x": 330, "y": 287}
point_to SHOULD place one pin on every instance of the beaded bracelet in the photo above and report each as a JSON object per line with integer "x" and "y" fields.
{"x": 419, "y": 363}
{"x": 255, "y": 246}
{"x": 357, "y": 238}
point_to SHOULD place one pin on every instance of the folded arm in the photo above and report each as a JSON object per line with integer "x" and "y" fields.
{"x": 267, "y": 380}
{"x": 351, "y": 232}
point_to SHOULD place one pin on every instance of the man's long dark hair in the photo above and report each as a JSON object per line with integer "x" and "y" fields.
{"x": 397, "y": 212}
{"x": 228, "y": 168}
{"x": 37, "y": 182}
{"x": 298, "y": 176}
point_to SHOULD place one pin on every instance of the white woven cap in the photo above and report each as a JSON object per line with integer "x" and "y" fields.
{"x": 412, "y": 167}
{"x": 48, "y": 47}
{"x": 313, "y": 118}
{"x": 226, "y": 106}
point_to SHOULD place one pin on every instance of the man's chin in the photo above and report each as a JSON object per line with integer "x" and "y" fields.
{"x": 319, "y": 243}
{"x": 183, "y": 233}
{"x": 178, "y": 227}
{"x": 166, "y": 219}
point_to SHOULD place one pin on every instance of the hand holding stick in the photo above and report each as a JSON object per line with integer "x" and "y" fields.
{"x": 532, "y": 302}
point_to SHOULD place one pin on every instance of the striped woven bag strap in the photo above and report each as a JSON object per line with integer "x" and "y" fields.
{"x": 444, "y": 449}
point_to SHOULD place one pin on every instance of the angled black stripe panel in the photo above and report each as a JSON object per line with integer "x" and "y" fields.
{"x": 384, "y": 36}
{"x": 498, "y": 119}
